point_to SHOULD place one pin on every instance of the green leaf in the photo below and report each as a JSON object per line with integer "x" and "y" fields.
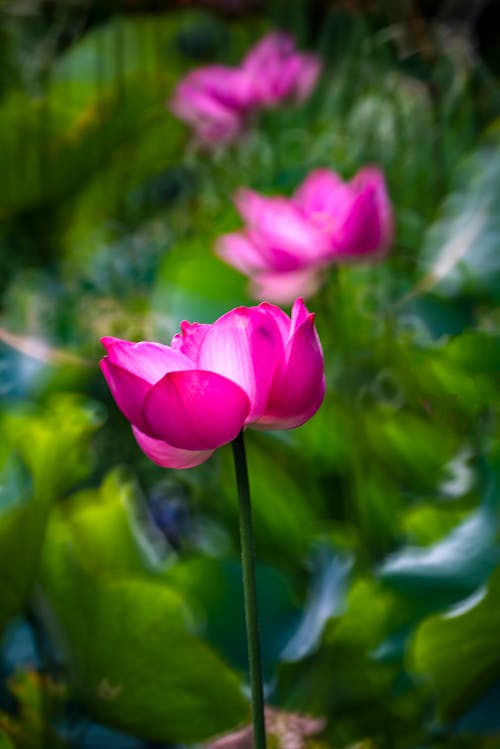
{"x": 427, "y": 523}
{"x": 194, "y": 284}
{"x": 476, "y": 352}
{"x": 97, "y": 102}
{"x": 213, "y": 587}
{"x": 285, "y": 498}
{"x": 53, "y": 447}
{"x": 343, "y": 676}
{"x": 459, "y": 652}
{"x": 53, "y": 441}
{"x": 415, "y": 448}
{"x": 483, "y": 718}
{"x": 106, "y": 531}
{"x": 22, "y": 520}
{"x": 460, "y": 253}
{"x": 326, "y": 600}
{"x": 136, "y": 661}
{"x": 453, "y": 566}
{"x": 4, "y": 741}
{"x": 112, "y": 53}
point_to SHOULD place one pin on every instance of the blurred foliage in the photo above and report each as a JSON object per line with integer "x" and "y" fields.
{"x": 377, "y": 523}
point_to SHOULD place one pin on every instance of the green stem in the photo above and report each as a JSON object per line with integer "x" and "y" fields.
{"x": 249, "y": 591}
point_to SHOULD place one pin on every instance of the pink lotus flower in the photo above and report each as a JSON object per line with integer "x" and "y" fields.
{"x": 217, "y": 100}
{"x": 278, "y": 71}
{"x": 254, "y": 366}
{"x": 288, "y": 243}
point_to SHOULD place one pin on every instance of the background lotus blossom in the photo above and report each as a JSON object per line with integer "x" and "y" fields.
{"x": 278, "y": 71}
{"x": 216, "y": 100}
{"x": 253, "y": 366}
{"x": 288, "y": 242}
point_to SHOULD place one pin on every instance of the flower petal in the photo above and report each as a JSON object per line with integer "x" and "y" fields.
{"x": 148, "y": 360}
{"x": 361, "y": 232}
{"x": 274, "y": 45}
{"x": 279, "y": 70}
{"x": 280, "y": 317}
{"x": 232, "y": 87}
{"x": 321, "y": 192}
{"x": 282, "y": 225}
{"x": 168, "y": 456}
{"x": 244, "y": 345}
{"x": 300, "y": 314}
{"x": 372, "y": 176}
{"x": 212, "y": 119}
{"x": 207, "y": 89}
{"x": 299, "y": 386}
{"x": 128, "y": 389}
{"x": 307, "y": 76}
{"x": 188, "y": 341}
{"x": 238, "y": 250}
{"x": 195, "y": 410}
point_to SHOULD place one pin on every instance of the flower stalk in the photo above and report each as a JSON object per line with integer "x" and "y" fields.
{"x": 250, "y": 591}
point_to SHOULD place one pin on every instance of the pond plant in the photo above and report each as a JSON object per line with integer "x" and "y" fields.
{"x": 254, "y": 366}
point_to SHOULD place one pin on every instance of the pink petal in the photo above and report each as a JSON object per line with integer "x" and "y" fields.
{"x": 271, "y": 47}
{"x": 238, "y": 250}
{"x": 192, "y": 105}
{"x": 279, "y": 79}
{"x": 287, "y": 326}
{"x": 278, "y": 254}
{"x": 321, "y": 192}
{"x": 215, "y": 101}
{"x": 372, "y": 176}
{"x": 128, "y": 389}
{"x": 369, "y": 176}
{"x": 233, "y": 87}
{"x": 213, "y": 119}
{"x": 168, "y": 456}
{"x": 148, "y": 360}
{"x": 299, "y": 385}
{"x": 195, "y": 410}
{"x": 294, "y": 76}
{"x": 245, "y": 346}
{"x": 307, "y": 76}
{"x": 213, "y": 85}
{"x": 361, "y": 233}
{"x": 281, "y": 225}
{"x": 280, "y": 70}
{"x": 284, "y": 287}
{"x": 356, "y": 217}
{"x": 300, "y": 314}
{"x": 188, "y": 341}
{"x": 281, "y": 319}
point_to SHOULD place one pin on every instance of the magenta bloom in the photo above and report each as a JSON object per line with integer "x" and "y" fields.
{"x": 253, "y": 366}
{"x": 288, "y": 242}
{"x": 278, "y": 71}
{"x": 217, "y": 100}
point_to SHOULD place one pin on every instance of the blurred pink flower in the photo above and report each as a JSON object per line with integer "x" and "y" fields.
{"x": 253, "y": 366}
{"x": 356, "y": 216}
{"x": 217, "y": 100}
{"x": 278, "y": 71}
{"x": 214, "y": 100}
{"x": 289, "y": 242}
